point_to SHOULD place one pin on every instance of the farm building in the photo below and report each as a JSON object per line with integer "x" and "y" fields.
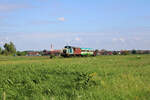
{"x": 105, "y": 52}
{"x": 33, "y": 53}
{"x": 45, "y": 53}
{"x": 55, "y": 52}
{"x": 52, "y": 52}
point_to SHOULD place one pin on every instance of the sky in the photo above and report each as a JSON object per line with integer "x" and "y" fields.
{"x": 98, "y": 24}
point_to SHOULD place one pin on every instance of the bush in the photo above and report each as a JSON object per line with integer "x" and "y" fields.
{"x": 138, "y": 57}
{"x": 23, "y": 53}
{"x": 114, "y": 53}
{"x": 125, "y": 52}
{"x": 133, "y": 51}
{"x": 0, "y": 50}
{"x": 52, "y": 56}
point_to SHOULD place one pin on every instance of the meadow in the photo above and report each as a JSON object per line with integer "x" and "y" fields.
{"x": 83, "y": 78}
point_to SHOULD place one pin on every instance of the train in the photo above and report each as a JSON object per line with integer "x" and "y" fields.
{"x": 69, "y": 51}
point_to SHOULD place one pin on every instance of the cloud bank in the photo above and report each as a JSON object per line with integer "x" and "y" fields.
{"x": 12, "y": 7}
{"x": 61, "y": 19}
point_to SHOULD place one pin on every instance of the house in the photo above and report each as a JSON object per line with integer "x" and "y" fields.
{"x": 55, "y": 52}
{"x": 52, "y": 52}
{"x": 33, "y": 53}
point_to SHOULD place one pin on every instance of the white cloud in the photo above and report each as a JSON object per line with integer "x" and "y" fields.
{"x": 137, "y": 38}
{"x": 61, "y": 19}
{"x": 118, "y": 40}
{"x": 42, "y": 40}
{"x": 77, "y": 39}
{"x": 122, "y": 40}
{"x": 43, "y": 22}
{"x": 2, "y": 17}
{"x": 12, "y": 7}
{"x": 114, "y": 39}
{"x": 1, "y": 42}
{"x": 4, "y": 40}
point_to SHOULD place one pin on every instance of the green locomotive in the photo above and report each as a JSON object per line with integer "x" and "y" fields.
{"x": 76, "y": 51}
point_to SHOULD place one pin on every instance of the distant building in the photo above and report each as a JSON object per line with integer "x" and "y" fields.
{"x": 45, "y": 53}
{"x": 52, "y": 52}
{"x": 55, "y": 52}
{"x": 109, "y": 53}
{"x": 33, "y": 53}
{"x": 105, "y": 52}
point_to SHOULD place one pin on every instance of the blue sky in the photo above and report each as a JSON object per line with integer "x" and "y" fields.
{"x": 99, "y": 24}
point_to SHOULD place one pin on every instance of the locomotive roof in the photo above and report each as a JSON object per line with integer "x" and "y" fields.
{"x": 71, "y": 47}
{"x": 79, "y": 47}
{"x": 86, "y": 49}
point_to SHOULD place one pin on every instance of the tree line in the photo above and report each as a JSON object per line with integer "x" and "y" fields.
{"x": 10, "y": 49}
{"x": 122, "y": 52}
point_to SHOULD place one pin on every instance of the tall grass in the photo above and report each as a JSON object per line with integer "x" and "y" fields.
{"x": 89, "y": 78}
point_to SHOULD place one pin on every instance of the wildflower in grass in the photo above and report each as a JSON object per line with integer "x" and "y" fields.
{"x": 138, "y": 57}
{"x": 93, "y": 74}
{"x": 4, "y": 96}
{"x": 103, "y": 83}
{"x": 136, "y": 98}
{"x": 79, "y": 96}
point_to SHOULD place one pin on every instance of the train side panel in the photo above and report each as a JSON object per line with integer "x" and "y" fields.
{"x": 87, "y": 51}
{"x": 77, "y": 51}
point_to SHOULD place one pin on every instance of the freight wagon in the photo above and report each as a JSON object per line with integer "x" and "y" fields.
{"x": 76, "y": 51}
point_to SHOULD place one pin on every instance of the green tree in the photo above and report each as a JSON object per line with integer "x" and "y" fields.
{"x": 96, "y": 52}
{"x": 133, "y": 51}
{"x": 23, "y": 53}
{"x": 0, "y": 50}
{"x": 9, "y": 48}
{"x": 115, "y": 52}
{"x": 18, "y": 53}
{"x": 5, "y": 52}
{"x": 125, "y": 52}
{"x": 12, "y": 48}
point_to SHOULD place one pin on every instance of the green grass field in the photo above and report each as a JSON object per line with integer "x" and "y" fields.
{"x": 87, "y": 78}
